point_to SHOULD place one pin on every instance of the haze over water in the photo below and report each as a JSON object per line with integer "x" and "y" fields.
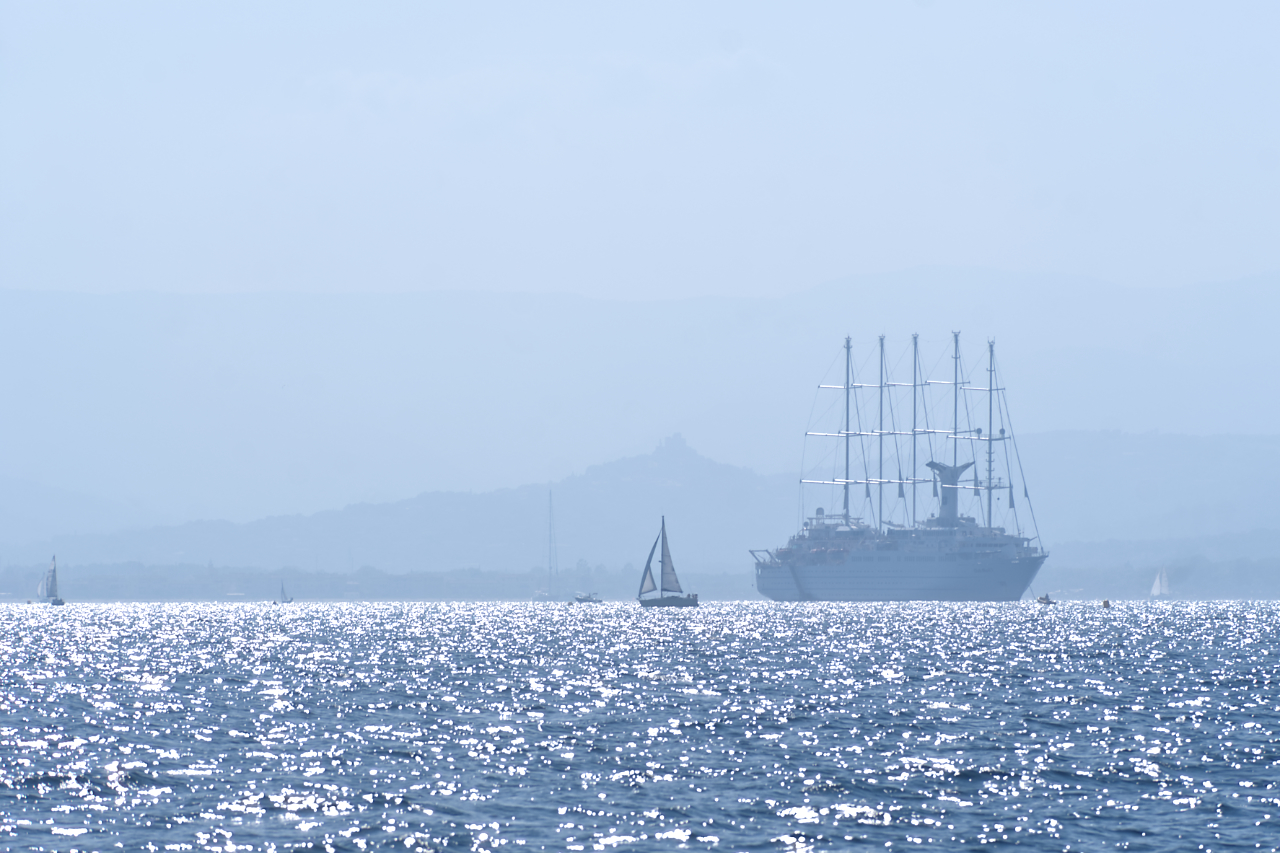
{"x": 733, "y": 727}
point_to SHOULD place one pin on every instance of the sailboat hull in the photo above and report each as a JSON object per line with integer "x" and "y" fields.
{"x": 670, "y": 601}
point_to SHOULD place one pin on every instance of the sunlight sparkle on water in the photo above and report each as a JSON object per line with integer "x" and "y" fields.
{"x": 731, "y": 727}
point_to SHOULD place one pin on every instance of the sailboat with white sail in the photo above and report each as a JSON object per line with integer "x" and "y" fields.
{"x": 48, "y": 589}
{"x": 666, "y": 592}
{"x": 284, "y": 597}
{"x": 1160, "y": 589}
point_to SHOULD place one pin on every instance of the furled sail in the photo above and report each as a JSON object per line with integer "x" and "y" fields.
{"x": 670, "y": 583}
{"x": 646, "y": 580}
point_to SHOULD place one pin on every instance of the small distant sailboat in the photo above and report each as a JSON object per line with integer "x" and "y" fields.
{"x": 668, "y": 589}
{"x": 48, "y": 589}
{"x": 1160, "y": 589}
{"x": 284, "y": 597}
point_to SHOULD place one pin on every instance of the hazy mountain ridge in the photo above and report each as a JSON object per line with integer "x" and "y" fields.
{"x": 1148, "y": 513}
{"x": 606, "y": 515}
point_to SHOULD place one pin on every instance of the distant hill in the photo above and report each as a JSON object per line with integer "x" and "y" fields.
{"x": 1113, "y": 508}
{"x": 607, "y": 515}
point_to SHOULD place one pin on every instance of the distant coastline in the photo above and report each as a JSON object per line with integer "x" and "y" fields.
{"x": 1077, "y": 575}
{"x": 135, "y": 582}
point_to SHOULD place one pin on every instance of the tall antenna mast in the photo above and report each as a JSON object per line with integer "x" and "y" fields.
{"x": 880, "y": 433}
{"x": 955, "y": 405}
{"x": 991, "y": 446}
{"x": 848, "y": 388}
{"x": 915, "y": 384}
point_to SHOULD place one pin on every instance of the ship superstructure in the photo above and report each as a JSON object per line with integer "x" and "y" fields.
{"x": 880, "y": 549}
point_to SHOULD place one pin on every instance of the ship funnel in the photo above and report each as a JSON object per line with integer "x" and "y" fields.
{"x": 949, "y": 514}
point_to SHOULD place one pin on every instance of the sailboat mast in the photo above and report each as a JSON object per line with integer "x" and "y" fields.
{"x": 669, "y": 583}
{"x": 848, "y": 389}
{"x": 880, "y": 431}
{"x": 915, "y": 384}
{"x": 663, "y": 567}
{"x": 991, "y": 445}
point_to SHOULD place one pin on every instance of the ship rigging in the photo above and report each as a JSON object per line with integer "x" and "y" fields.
{"x": 946, "y": 556}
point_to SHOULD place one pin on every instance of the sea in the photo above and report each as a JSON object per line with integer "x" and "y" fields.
{"x": 732, "y": 726}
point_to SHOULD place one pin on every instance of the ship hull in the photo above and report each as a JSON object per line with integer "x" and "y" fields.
{"x": 901, "y": 577}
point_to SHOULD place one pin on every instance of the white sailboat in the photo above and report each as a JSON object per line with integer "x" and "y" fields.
{"x": 668, "y": 589}
{"x": 1160, "y": 589}
{"x": 48, "y": 589}
{"x": 284, "y": 598}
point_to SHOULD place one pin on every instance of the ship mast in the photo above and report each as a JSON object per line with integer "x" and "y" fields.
{"x": 880, "y": 433}
{"x": 915, "y": 384}
{"x": 991, "y": 447}
{"x": 848, "y": 388}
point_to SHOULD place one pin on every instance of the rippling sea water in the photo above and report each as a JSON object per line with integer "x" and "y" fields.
{"x": 751, "y": 726}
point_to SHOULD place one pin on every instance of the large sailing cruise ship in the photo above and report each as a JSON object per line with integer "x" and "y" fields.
{"x": 881, "y": 549}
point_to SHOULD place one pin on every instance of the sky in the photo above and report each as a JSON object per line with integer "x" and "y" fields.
{"x": 632, "y": 151}
{"x": 274, "y": 258}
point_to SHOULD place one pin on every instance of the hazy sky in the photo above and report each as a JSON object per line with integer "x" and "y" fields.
{"x": 1055, "y": 176}
{"x": 632, "y": 150}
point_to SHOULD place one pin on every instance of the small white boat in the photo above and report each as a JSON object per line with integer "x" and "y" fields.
{"x": 48, "y": 589}
{"x": 284, "y": 598}
{"x": 668, "y": 589}
{"x": 1160, "y": 589}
